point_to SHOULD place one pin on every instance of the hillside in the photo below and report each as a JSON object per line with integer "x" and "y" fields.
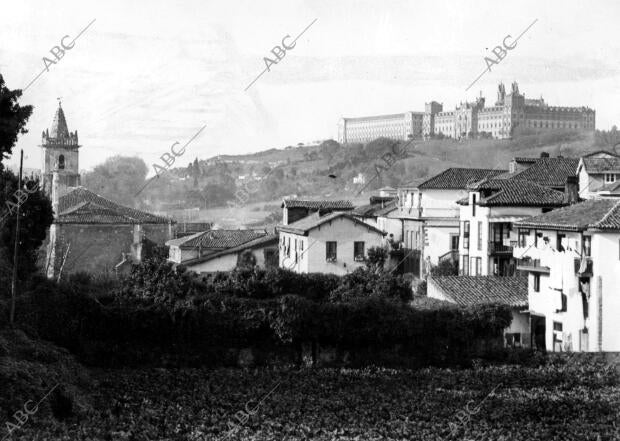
{"x": 246, "y": 189}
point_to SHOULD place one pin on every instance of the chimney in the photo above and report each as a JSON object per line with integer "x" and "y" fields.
{"x": 571, "y": 190}
{"x": 544, "y": 155}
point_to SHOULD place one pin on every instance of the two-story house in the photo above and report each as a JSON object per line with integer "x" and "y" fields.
{"x": 487, "y": 215}
{"x": 572, "y": 258}
{"x": 335, "y": 243}
{"x": 599, "y": 175}
{"x": 430, "y": 216}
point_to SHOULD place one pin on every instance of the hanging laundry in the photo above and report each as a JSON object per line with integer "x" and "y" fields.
{"x": 569, "y": 279}
{"x": 555, "y": 269}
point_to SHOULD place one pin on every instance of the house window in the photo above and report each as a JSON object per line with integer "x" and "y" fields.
{"x": 536, "y": 282}
{"x": 288, "y": 247}
{"x": 479, "y": 236}
{"x": 466, "y": 265}
{"x": 558, "y": 243}
{"x": 473, "y": 205}
{"x": 466, "y": 235}
{"x": 358, "y": 251}
{"x": 478, "y": 266}
{"x": 610, "y": 177}
{"x": 330, "y": 251}
{"x": 587, "y": 246}
{"x": 523, "y": 234}
{"x": 454, "y": 242}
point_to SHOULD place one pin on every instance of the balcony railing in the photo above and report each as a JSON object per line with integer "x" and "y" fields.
{"x": 500, "y": 248}
{"x": 531, "y": 265}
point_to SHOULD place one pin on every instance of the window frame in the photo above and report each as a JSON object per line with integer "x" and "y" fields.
{"x": 610, "y": 178}
{"x": 465, "y": 265}
{"x": 536, "y": 283}
{"x": 466, "y": 232}
{"x": 331, "y": 257}
{"x": 356, "y": 255}
{"x": 479, "y": 239}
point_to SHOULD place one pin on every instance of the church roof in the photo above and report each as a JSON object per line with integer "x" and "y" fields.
{"x": 59, "y": 127}
{"x": 82, "y": 206}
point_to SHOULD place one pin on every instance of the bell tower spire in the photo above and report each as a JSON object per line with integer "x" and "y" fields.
{"x": 60, "y": 153}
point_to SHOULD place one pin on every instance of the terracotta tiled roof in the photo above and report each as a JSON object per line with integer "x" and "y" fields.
{"x": 217, "y": 239}
{"x": 550, "y": 172}
{"x": 82, "y": 206}
{"x": 264, "y": 241}
{"x": 317, "y": 205}
{"x": 594, "y": 213}
{"x": 515, "y": 192}
{"x": 374, "y": 210}
{"x": 476, "y": 290}
{"x": 526, "y": 160}
{"x": 601, "y": 162}
{"x": 315, "y": 220}
{"x": 601, "y": 165}
{"x": 459, "y": 178}
{"x": 611, "y": 221}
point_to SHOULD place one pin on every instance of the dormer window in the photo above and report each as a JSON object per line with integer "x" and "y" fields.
{"x": 610, "y": 178}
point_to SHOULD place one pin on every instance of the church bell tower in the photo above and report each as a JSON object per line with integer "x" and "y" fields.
{"x": 60, "y": 154}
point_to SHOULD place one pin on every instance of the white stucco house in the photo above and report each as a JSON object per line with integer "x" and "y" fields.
{"x": 335, "y": 243}
{"x": 264, "y": 249}
{"x": 430, "y": 216}
{"x": 479, "y": 290}
{"x": 205, "y": 243}
{"x": 487, "y": 214}
{"x": 572, "y": 258}
{"x": 599, "y": 175}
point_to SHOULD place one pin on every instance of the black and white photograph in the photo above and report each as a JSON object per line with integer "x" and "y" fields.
{"x": 290, "y": 220}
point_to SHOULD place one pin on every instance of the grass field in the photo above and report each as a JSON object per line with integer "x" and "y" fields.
{"x": 507, "y": 403}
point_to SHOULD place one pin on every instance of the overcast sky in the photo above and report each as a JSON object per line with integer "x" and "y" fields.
{"x": 148, "y": 73}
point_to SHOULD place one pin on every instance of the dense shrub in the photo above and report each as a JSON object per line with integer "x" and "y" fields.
{"x": 364, "y": 283}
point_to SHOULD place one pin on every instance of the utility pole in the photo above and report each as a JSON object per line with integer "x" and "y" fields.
{"x": 15, "y": 250}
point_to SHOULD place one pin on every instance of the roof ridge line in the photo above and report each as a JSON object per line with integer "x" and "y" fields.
{"x": 604, "y": 218}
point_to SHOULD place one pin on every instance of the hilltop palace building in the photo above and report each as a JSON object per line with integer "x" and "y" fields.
{"x": 471, "y": 119}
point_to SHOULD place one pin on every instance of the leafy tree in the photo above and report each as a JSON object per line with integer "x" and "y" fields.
{"x": 13, "y": 119}
{"x": 118, "y": 179}
{"x": 329, "y": 148}
{"x": 446, "y": 268}
{"x": 35, "y": 217}
{"x": 376, "y": 258}
{"x": 35, "y": 211}
{"x": 246, "y": 260}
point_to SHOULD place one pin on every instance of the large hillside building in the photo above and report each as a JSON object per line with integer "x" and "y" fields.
{"x": 365, "y": 129}
{"x": 470, "y": 119}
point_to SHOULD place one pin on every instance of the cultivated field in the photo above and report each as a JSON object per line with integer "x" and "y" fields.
{"x": 552, "y": 402}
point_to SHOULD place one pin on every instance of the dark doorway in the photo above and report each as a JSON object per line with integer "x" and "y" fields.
{"x": 538, "y": 325}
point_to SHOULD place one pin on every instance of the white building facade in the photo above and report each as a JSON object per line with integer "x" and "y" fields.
{"x": 572, "y": 258}
{"x": 335, "y": 243}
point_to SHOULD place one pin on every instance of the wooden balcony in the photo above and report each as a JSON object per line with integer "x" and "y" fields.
{"x": 498, "y": 248}
{"x": 532, "y": 265}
